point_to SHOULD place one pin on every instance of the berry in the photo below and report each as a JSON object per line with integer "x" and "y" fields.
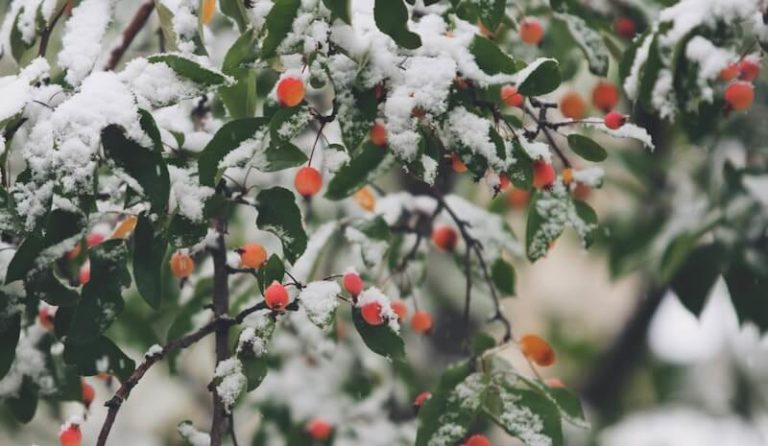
{"x": 126, "y": 227}
{"x": 543, "y": 174}
{"x": 567, "y": 175}
{"x": 88, "y": 393}
{"x": 518, "y": 198}
{"x": 531, "y": 31}
{"x": 182, "y": 264}
{"x": 511, "y": 97}
{"x": 308, "y": 181}
{"x": 537, "y": 350}
{"x": 378, "y": 135}
{"x": 503, "y": 181}
{"x": 478, "y": 440}
{"x": 605, "y": 96}
{"x": 85, "y": 273}
{"x": 581, "y": 191}
{"x": 421, "y": 322}
{"x": 739, "y": 95}
{"x": 209, "y": 7}
{"x": 252, "y": 255}
{"x": 457, "y": 164}
{"x": 614, "y": 120}
{"x": 276, "y": 296}
{"x": 45, "y": 317}
{"x": 730, "y": 72}
{"x": 353, "y": 284}
{"x": 70, "y": 435}
{"x": 625, "y": 28}
{"x": 400, "y": 309}
{"x": 319, "y": 430}
{"x": 748, "y": 70}
{"x": 290, "y": 91}
{"x": 445, "y": 238}
{"x": 572, "y": 105}
{"x": 555, "y": 383}
{"x": 365, "y": 198}
{"x": 371, "y": 313}
{"x": 421, "y": 399}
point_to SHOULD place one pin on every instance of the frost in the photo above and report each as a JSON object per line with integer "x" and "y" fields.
{"x": 83, "y": 36}
{"x": 231, "y": 381}
{"x": 319, "y": 300}
{"x": 464, "y": 399}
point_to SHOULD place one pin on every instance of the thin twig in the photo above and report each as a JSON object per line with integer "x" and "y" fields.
{"x": 45, "y": 36}
{"x": 129, "y": 33}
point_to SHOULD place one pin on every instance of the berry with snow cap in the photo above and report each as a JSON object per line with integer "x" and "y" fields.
{"x": 371, "y": 313}
{"x": 614, "y": 120}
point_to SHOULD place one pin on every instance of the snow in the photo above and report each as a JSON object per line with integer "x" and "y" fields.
{"x": 154, "y": 350}
{"x": 30, "y": 362}
{"x": 17, "y": 91}
{"x": 466, "y": 129}
{"x": 185, "y": 22}
{"x": 83, "y": 37}
{"x": 519, "y": 419}
{"x": 632, "y": 82}
{"x": 186, "y": 194}
{"x": 591, "y": 176}
{"x": 536, "y": 150}
{"x": 231, "y": 381}
{"x": 628, "y": 130}
{"x": 305, "y": 265}
{"x": 193, "y": 436}
{"x": 156, "y": 84}
{"x": 319, "y": 300}
{"x": 711, "y": 60}
{"x": 487, "y": 228}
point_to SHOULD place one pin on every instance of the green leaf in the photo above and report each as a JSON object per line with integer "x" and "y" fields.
{"x": 430, "y": 412}
{"x": 649, "y": 75}
{"x": 490, "y": 58}
{"x": 183, "y": 232}
{"x": 748, "y": 291}
{"x": 588, "y": 216}
{"x": 148, "y": 255}
{"x": 628, "y": 58}
{"x": 503, "y": 275}
{"x": 355, "y": 174}
{"x": 279, "y": 23}
{"x": 235, "y": 9}
{"x": 340, "y": 9}
{"x": 391, "y": 18}
{"x": 279, "y": 214}
{"x": 10, "y": 328}
{"x": 381, "y": 339}
{"x": 544, "y": 77}
{"x": 226, "y": 139}
{"x": 568, "y": 403}
{"x": 98, "y": 355}
{"x": 589, "y": 41}
{"x": 274, "y": 270}
{"x": 481, "y": 343}
{"x": 537, "y": 236}
{"x": 525, "y": 414}
{"x": 240, "y": 98}
{"x": 24, "y": 405}
{"x": 697, "y": 275}
{"x": 675, "y": 255}
{"x": 146, "y": 166}
{"x": 48, "y": 287}
{"x": 18, "y": 46}
{"x": 255, "y": 370}
{"x": 586, "y": 148}
{"x": 189, "y": 69}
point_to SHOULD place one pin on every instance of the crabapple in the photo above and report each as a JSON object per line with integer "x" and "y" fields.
{"x": 445, "y": 238}
{"x": 543, "y": 174}
{"x": 511, "y": 97}
{"x": 614, "y": 120}
{"x": 478, "y": 440}
{"x": 457, "y": 164}
{"x": 365, "y": 198}
{"x": 209, "y": 7}
{"x": 45, "y": 317}
{"x": 572, "y": 105}
{"x": 537, "y": 350}
{"x": 531, "y": 31}
{"x": 85, "y": 273}
{"x": 739, "y": 95}
{"x": 88, "y": 393}
{"x": 421, "y": 322}
{"x": 319, "y": 430}
{"x": 378, "y": 134}
{"x": 605, "y": 96}
{"x": 353, "y": 284}
{"x": 290, "y": 91}
{"x": 182, "y": 264}
{"x": 400, "y": 309}
{"x": 252, "y": 255}
{"x": 625, "y": 28}
{"x": 70, "y": 435}
{"x": 730, "y": 72}
{"x": 518, "y": 198}
{"x": 567, "y": 175}
{"x": 276, "y": 296}
{"x": 308, "y": 181}
{"x": 748, "y": 70}
{"x": 421, "y": 399}
{"x": 371, "y": 313}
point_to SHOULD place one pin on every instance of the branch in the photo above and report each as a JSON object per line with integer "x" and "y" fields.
{"x": 541, "y": 125}
{"x": 45, "y": 36}
{"x": 220, "y": 309}
{"x": 129, "y": 33}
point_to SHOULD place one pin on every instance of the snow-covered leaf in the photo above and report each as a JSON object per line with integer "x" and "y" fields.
{"x": 525, "y": 414}
{"x": 279, "y": 214}
{"x": 381, "y": 339}
{"x": 190, "y": 69}
{"x": 542, "y": 76}
{"x": 359, "y": 171}
{"x": 588, "y": 40}
{"x": 391, "y": 18}
{"x": 490, "y": 58}
{"x": 340, "y": 9}
{"x": 278, "y": 24}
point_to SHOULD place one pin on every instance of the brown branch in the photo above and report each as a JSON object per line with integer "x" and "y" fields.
{"x": 220, "y": 309}
{"x": 129, "y": 33}
{"x": 45, "y": 36}
{"x": 541, "y": 126}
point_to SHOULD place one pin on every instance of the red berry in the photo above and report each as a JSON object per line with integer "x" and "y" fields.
{"x": 400, "y": 309}
{"x": 625, "y": 27}
{"x": 730, "y": 72}
{"x": 503, "y": 181}
{"x": 445, "y": 238}
{"x": 531, "y": 31}
{"x": 378, "y": 135}
{"x": 543, "y": 174}
{"x": 605, "y": 96}
{"x": 276, "y": 296}
{"x": 353, "y": 284}
{"x": 308, "y": 181}
{"x": 614, "y": 120}
{"x": 572, "y": 105}
{"x": 748, "y": 70}
{"x": 457, "y": 164}
{"x": 88, "y": 393}
{"x": 421, "y": 322}
{"x": 518, "y": 198}
{"x": 85, "y": 273}
{"x": 94, "y": 239}
{"x": 511, "y": 97}
{"x": 537, "y": 350}
{"x": 478, "y": 440}
{"x": 319, "y": 430}
{"x": 70, "y": 435}
{"x": 739, "y": 95}
{"x": 45, "y": 317}
{"x": 290, "y": 91}
{"x": 421, "y": 399}
{"x": 371, "y": 313}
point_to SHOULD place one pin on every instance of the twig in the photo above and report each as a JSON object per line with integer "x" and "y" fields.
{"x": 220, "y": 309}
{"x": 129, "y": 33}
{"x": 541, "y": 122}
{"x": 45, "y": 36}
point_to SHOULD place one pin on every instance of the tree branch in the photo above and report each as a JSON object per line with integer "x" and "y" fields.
{"x": 129, "y": 33}
{"x": 45, "y": 36}
{"x": 220, "y": 309}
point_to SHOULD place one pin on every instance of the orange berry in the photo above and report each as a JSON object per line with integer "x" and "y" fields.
{"x": 478, "y": 440}
{"x": 555, "y": 383}
{"x": 276, "y": 296}
{"x": 567, "y": 175}
{"x": 371, "y": 313}
{"x": 445, "y": 238}
{"x": 45, "y": 317}
{"x": 308, "y": 181}
{"x": 614, "y": 120}
{"x": 182, "y": 264}
{"x": 581, "y": 191}
{"x": 319, "y": 430}
{"x": 457, "y": 164}
{"x": 88, "y": 393}
{"x": 209, "y": 7}
{"x": 85, "y": 273}
{"x": 739, "y": 95}
{"x": 531, "y": 31}
{"x": 537, "y": 350}
{"x": 126, "y": 227}
{"x": 748, "y": 70}
{"x": 421, "y": 322}
{"x": 503, "y": 181}
{"x": 365, "y": 198}
{"x": 511, "y": 97}
{"x": 353, "y": 284}
{"x": 605, "y": 96}
{"x": 70, "y": 435}
{"x": 730, "y": 72}
{"x": 400, "y": 309}
{"x": 421, "y": 399}
{"x": 543, "y": 174}
{"x": 625, "y": 28}
{"x": 290, "y": 91}
{"x": 572, "y": 105}
{"x": 518, "y": 198}
{"x": 252, "y": 255}
{"x": 378, "y": 134}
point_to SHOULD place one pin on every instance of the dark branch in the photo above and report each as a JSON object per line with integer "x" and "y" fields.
{"x": 45, "y": 36}
{"x": 129, "y": 33}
